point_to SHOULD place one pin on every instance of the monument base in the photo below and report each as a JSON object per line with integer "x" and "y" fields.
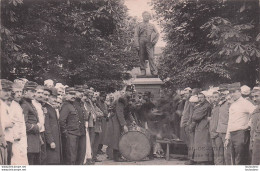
{"x": 150, "y": 83}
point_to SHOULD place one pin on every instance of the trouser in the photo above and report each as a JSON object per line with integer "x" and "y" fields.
{"x": 256, "y": 152}
{"x": 9, "y": 152}
{"x": 34, "y": 158}
{"x": 43, "y": 152}
{"x": 100, "y": 146}
{"x": 3, "y": 155}
{"x": 227, "y": 151}
{"x": 146, "y": 52}
{"x": 190, "y": 142}
{"x": 218, "y": 150}
{"x": 240, "y": 146}
{"x": 75, "y": 149}
{"x": 95, "y": 144}
{"x": 116, "y": 155}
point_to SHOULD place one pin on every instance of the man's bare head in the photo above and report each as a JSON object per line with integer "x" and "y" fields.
{"x": 146, "y": 16}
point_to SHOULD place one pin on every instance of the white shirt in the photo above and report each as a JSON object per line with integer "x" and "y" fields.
{"x": 7, "y": 121}
{"x": 239, "y": 114}
{"x": 41, "y": 115}
{"x": 18, "y": 118}
{"x": 19, "y": 148}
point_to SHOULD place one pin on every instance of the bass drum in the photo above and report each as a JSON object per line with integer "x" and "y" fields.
{"x": 135, "y": 144}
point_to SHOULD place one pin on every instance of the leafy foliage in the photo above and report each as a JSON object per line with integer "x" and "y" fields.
{"x": 72, "y": 42}
{"x": 209, "y": 42}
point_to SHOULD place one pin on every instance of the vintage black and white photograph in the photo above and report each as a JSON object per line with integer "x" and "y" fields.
{"x": 130, "y": 82}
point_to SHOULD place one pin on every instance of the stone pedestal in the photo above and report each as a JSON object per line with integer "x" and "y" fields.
{"x": 148, "y": 83}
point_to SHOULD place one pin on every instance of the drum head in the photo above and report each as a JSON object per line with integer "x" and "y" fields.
{"x": 134, "y": 145}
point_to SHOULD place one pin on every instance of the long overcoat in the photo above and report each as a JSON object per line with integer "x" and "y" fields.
{"x": 52, "y": 134}
{"x": 32, "y": 129}
{"x": 203, "y": 151}
{"x": 120, "y": 117}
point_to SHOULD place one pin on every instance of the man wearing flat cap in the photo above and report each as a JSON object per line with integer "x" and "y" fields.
{"x": 32, "y": 124}
{"x": 238, "y": 133}
{"x": 6, "y": 117}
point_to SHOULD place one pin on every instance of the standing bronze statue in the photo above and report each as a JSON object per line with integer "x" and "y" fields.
{"x": 146, "y": 36}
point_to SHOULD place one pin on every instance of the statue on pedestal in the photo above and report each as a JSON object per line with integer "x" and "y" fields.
{"x": 145, "y": 38}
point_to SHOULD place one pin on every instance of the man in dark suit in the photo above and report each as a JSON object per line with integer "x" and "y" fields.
{"x": 52, "y": 130}
{"x": 32, "y": 124}
{"x": 72, "y": 126}
{"x": 121, "y": 117}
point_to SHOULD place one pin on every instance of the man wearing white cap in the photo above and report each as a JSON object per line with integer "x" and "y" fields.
{"x": 49, "y": 83}
{"x": 238, "y": 133}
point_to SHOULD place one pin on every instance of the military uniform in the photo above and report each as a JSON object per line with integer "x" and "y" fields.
{"x": 72, "y": 126}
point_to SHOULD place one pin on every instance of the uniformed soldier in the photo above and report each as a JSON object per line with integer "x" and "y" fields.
{"x": 72, "y": 127}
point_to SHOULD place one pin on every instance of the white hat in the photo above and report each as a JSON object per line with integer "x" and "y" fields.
{"x": 49, "y": 83}
{"x": 59, "y": 85}
{"x": 245, "y": 90}
{"x": 194, "y": 99}
{"x": 205, "y": 93}
{"x": 187, "y": 89}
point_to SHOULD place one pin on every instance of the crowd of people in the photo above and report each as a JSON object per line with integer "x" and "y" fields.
{"x": 221, "y": 125}
{"x": 53, "y": 125}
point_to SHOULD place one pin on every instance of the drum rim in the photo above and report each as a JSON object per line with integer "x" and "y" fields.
{"x": 150, "y": 143}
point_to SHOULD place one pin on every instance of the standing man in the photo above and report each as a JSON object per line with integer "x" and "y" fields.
{"x": 202, "y": 146}
{"x": 185, "y": 121}
{"x": 217, "y": 144}
{"x": 3, "y": 145}
{"x": 52, "y": 130}
{"x": 20, "y": 139}
{"x": 145, "y": 38}
{"x": 238, "y": 133}
{"x": 120, "y": 117}
{"x": 224, "y": 105}
{"x": 32, "y": 124}
{"x": 103, "y": 107}
{"x": 255, "y": 128}
{"x": 38, "y": 102}
{"x": 72, "y": 126}
{"x": 6, "y": 117}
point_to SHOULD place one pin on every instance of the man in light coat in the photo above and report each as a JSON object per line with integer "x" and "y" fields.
{"x": 6, "y": 117}
{"x": 20, "y": 139}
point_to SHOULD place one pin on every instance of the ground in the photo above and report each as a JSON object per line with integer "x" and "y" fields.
{"x": 174, "y": 160}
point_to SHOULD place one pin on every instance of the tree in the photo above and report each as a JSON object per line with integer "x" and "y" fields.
{"x": 209, "y": 42}
{"x": 72, "y": 42}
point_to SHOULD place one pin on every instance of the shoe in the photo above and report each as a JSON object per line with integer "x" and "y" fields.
{"x": 154, "y": 72}
{"x": 190, "y": 162}
{"x": 96, "y": 160}
{"x": 89, "y": 162}
{"x": 143, "y": 72}
{"x": 120, "y": 160}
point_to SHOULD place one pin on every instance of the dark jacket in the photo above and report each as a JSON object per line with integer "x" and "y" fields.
{"x": 119, "y": 117}
{"x": 32, "y": 130}
{"x": 202, "y": 144}
{"x": 52, "y": 134}
{"x": 82, "y": 113}
{"x": 69, "y": 120}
